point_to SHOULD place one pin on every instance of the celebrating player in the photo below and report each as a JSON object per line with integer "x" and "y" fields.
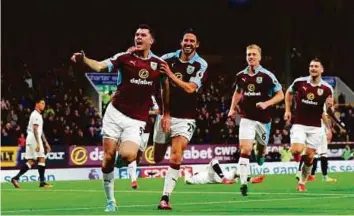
{"x": 186, "y": 72}
{"x": 257, "y": 89}
{"x": 127, "y": 113}
{"x": 323, "y": 148}
{"x": 311, "y": 95}
{"x": 34, "y": 145}
{"x": 213, "y": 174}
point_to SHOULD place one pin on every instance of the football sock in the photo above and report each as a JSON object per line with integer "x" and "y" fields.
{"x": 171, "y": 179}
{"x": 243, "y": 163}
{"x": 301, "y": 162}
{"x": 108, "y": 184}
{"x": 41, "y": 170}
{"x": 314, "y": 167}
{"x": 216, "y": 167}
{"x": 324, "y": 165}
{"x": 25, "y": 167}
{"x": 132, "y": 171}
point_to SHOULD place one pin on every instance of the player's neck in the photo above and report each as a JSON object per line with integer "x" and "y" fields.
{"x": 37, "y": 109}
{"x": 315, "y": 80}
{"x": 143, "y": 54}
{"x": 252, "y": 69}
{"x": 185, "y": 58}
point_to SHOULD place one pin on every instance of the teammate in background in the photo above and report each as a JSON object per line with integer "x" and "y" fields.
{"x": 132, "y": 166}
{"x": 322, "y": 150}
{"x": 213, "y": 174}
{"x": 186, "y": 72}
{"x": 34, "y": 146}
{"x": 307, "y": 135}
{"x": 257, "y": 89}
{"x": 125, "y": 118}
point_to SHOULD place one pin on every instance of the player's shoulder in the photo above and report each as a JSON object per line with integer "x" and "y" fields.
{"x": 35, "y": 114}
{"x": 170, "y": 55}
{"x": 266, "y": 72}
{"x": 155, "y": 57}
{"x": 121, "y": 54}
{"x": 301, "y": 79}
{"x": 200, "y": 60}
{"x": 326, "y": 85}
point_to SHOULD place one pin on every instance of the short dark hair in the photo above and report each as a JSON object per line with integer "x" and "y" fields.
{"x": 38, "y": 99}
{"x": 316, "y": 59}
{"x": 145, "y": 26}
{"x": 190, "y": 31}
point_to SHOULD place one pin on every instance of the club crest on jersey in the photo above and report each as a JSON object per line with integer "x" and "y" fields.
{"x": 153, "y": 65}
{"x": 251, "y": 87}
{"x": 179, "y": 75}
{"x": 143, "y": 73}
{"x": 320, "y": 92}
{"x": 190, "y": 69}
{"x": 310, "y": 96}
{"x": 259, "y": 80}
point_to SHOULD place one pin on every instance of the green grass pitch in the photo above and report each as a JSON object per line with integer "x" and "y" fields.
{"x": 277, "y": 195}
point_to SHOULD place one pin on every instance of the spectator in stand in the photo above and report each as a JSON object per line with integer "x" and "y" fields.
{"x": 348, "y": 153}
{"x": 286, "y": 154}
{"x": 277, "y": 137}
{"x": 285, "y": 137}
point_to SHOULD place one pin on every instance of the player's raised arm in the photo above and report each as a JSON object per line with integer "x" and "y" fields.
{"x": 98, "y": 66}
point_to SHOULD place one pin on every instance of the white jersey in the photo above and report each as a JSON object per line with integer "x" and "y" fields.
{"x": 35, "y": 119}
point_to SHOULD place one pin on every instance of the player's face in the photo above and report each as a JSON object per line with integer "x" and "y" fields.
{"x": 143, "y": 39}
{"x": 253, "y": 57}
{"x": 315, "y": 69}
{"x": 189, "y": 43}
{"x": 41, "y": 105}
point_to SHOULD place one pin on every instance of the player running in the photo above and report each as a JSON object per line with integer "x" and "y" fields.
{"x": 323, "y": 148}
{"x": 257, "y": 89}
{"x": 186, "y": 72}
{"x": 213, "y": 174}
{"x": 311, "y": 95}
{"x": 126, "y": 115}
{"x": 34, "y": 146}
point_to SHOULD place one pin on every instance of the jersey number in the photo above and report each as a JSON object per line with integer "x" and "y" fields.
{"x": 264, "y": 136}
{"x": 141, "y": 131}
{"x": 191, "y": 127}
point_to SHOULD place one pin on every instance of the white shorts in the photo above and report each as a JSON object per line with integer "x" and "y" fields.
{"x": 323, "y": 147}
{"x": 121, "y": 128}
{"x": 179, "y": 127}
{"x": 31, "y": 151}
{"x": 254, "y": 130}
{"x": 311, "y": 136}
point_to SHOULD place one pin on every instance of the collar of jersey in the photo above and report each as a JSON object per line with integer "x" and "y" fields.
{"x": 191, "y": 61}
{"x": 149, "y": 56}
{"x": 257, "y": 69}
{"x": 308, "y": 80}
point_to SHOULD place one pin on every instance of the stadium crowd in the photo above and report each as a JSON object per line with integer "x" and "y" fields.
{"x": 71, "y": 119}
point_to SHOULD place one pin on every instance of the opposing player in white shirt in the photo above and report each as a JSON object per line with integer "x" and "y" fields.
{"x": 34, "y": 146}
{"x": 213, "y": 174}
